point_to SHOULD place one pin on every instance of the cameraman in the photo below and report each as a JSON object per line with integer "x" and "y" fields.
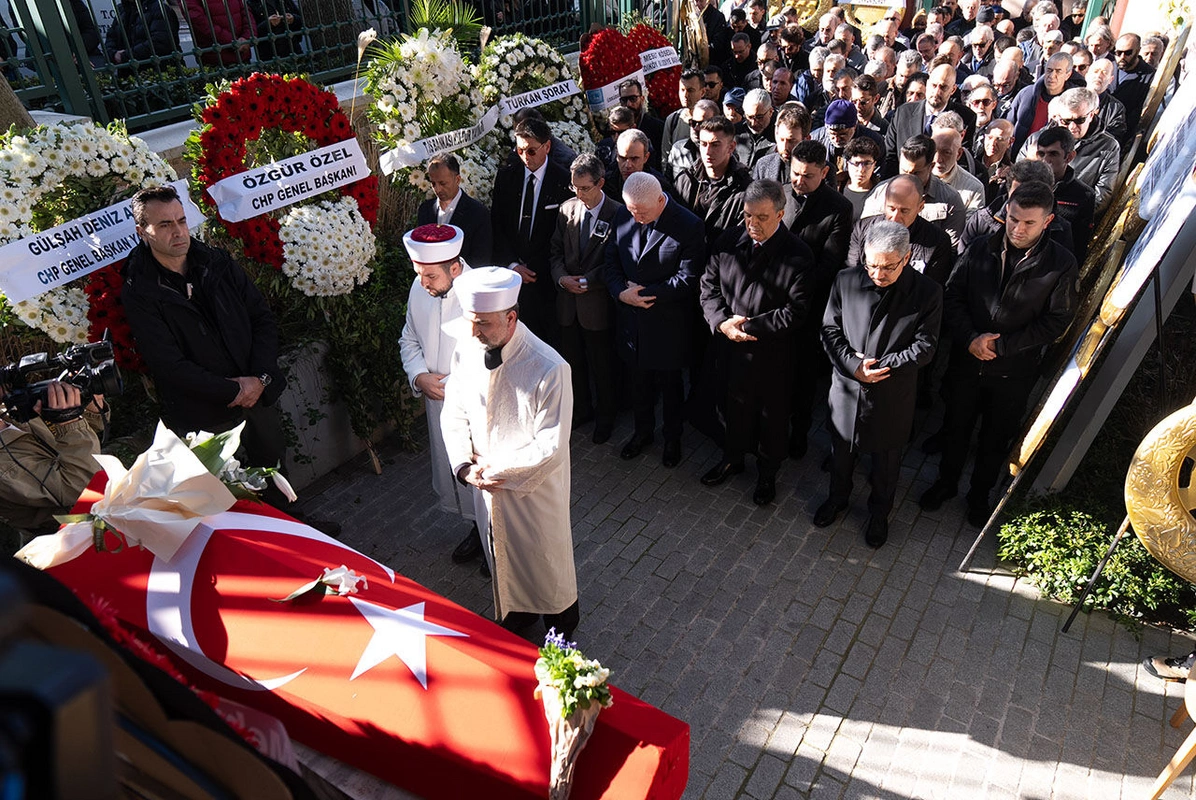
{"x": 45, "y": 466}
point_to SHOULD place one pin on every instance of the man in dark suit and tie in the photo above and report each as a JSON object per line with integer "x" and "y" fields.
{"x": 653, "y": 261}
{"x": 754, "y": 294}
{"x": 452, "y": 205}
{"x": 583, "y": 304}
{"x": 523, "y": 213}
{"x": 912, "y": 119}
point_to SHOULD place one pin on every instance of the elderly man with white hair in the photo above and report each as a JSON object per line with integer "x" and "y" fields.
{"x": 1112, "y": 111}
{"x": 948, "y": 148}
{"x": 757, "y": 140}
{"x": 880, "y": 327}
{"x": 981, "y": 57}
{"x": 653, "y": 260}
{"x": 1098, "y": 156}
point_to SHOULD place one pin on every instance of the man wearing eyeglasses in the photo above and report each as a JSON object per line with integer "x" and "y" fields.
{"x": 766, "y": 61}
{"x": 712, "y": 84}
{"x": 758, "y": 140}
{"x": 1131, "y": 84}
{"x": 1098, "y": 156}
{"x": 739, "y": 65}
{"x": 631, "y": 94}
{"x": 981, "y": 58}
{"x": 983, "y": 102}
{"x": 523, "y": 211}
{"x": 880, "y": 327}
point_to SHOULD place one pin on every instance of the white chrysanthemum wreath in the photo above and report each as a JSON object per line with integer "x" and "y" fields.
{"x": 327, "y": 247}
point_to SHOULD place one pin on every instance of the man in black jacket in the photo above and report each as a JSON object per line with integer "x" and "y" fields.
{"x": 713, "y": 187}
{"x": 141, "y": 31}
{"x": 913, "y": 119}
{"x": 881, "y": 326}
{"x": 1074, "y": 201}
{"x": 1010, "y": 297}
{"x": 206, "y": 334}
{"x": 451, "y": 205}
{"x": 931, "y": 252}
{"x": 523, "y": 215}
{"x": 754, "y": 296}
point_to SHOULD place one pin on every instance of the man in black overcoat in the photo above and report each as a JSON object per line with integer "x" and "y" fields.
{"x": 452, "y": 206}
{"x": 523, "y": 214}
{"x": 754, "y": 296}
{"x": 1010, "y": 296}
{"x": 653, "y": 262}
{"x": 881, "y": 326}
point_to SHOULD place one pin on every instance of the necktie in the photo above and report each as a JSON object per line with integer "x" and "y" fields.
{"x": 529, "y": 208}
{"x": 930, "y": 121}
{"x": 587, "y": 224}
{"x": 645, "y": 233}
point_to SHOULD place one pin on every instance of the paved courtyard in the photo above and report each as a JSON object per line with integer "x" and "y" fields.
{"x": 807, "y": 664}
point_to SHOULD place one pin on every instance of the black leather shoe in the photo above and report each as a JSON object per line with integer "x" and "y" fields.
{"x": 602, "y": 432}
{"x": 519, "y": 621}
{"x": 583, "y": 419}
{"x": 933, "y": 498}
{"x": 877, "y": 532}
{"x": 470, "y": 547}
{"x": 721, "y": 471}
{"x": 635, "y": 445}
{"x": 484, "y": 570}
{"x": 933, "y": 443}
{"x": 671, "y": 456}
{"x": 798, "y": 445}
{"x": 828, "y": 512}
{"x": 766, "y": 491}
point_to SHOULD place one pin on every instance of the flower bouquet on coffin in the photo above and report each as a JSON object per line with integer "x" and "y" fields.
{"x": 573, "y": 690}
{"x": 160, "y": 500}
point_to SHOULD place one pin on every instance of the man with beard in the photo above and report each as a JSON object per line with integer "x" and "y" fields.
{"x": 1005, "y": 84}
{"x": 880, "y": 327}
{"x": 948, "y": 148}
{"x": 792, "y": 126}
{"x": 981, "y": 60}
{"x": 1074, "y": 201}
{"x": 506, "y": 425}
{"x": 452, "y": 205}
{"x": 1132, "y": 82}
{"x": 427, "y": 345}
{"x": 1009, "y": 298}
{"x": 841, "y": 127}
{"x": 758, "y": 140}
{"x": 916, "y": 118}
{"x": 994, "y": 157}
{"x": 633, "y": 152}
{"x": 631, "y": 95}
{"x": 983, "y": 102}
{"x": 909, "y": 63}
{"x": 754, "y": 297}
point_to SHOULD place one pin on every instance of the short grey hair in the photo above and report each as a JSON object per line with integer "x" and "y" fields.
{"x": 708, "y": 106}
{"x": 1061, "y": 57}
{"x": 818, "y": 56}
{"x": 834, "y": 58}
{"x": 877, "y": 69}
{"x": 951, "y": 120}
{"x": 641, "y": 188}
{"x": 1075, "y": 99}
{"x": 634, "y": 135}
{"x": 911, "y": 58}
{"x": 887, "y": 237}
{"x": 758, "y": 98}
{"x": 765, "y": 190}
{"x": 1025, "y": 171}
{"x": 982, "y": 32}
{"x": 589, "y": 165}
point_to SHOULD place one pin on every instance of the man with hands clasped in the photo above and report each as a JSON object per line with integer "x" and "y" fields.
{"x": 880, "y": 327}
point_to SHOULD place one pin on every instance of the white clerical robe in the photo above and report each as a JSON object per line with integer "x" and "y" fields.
{"x": 427, "y": 344}
{"x": 517, "y": 419}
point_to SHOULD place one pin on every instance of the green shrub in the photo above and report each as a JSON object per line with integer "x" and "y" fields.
{"x": 1056, "y": 542}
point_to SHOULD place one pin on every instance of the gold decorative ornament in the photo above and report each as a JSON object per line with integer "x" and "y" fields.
{"x": 1157, "y": 506}
{"x": 810, "y": 11}
{"x": 866, "y": 13}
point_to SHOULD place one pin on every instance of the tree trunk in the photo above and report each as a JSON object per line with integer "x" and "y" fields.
{"x": 12, "y": 110}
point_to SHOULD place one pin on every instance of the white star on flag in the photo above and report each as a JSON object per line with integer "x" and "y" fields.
{"x": 400, "y": 632}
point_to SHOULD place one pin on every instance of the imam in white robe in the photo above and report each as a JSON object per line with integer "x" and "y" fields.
{"x": 427, "y": 344}
{"x": 517, "y": 419}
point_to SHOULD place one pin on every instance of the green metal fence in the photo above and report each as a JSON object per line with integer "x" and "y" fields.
{"x": 148, "y": 61}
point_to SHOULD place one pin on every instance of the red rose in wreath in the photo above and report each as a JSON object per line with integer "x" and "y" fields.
{"x": 662, "y": 84}
{"x": 608, "y": 56}
{"x": 240, "y": 115}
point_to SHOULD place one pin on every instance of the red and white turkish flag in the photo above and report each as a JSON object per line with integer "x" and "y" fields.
{"x": 395, "y": 679}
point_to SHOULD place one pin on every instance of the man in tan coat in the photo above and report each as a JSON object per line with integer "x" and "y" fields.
{"x": 506, "y": 423}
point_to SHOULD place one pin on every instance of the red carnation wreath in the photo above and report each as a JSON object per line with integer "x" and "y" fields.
{"x": 105, "y": 313}
{"x": 607, "y": 57}
{"x": 240, "y": 114}
{"x": 662, "y": 84}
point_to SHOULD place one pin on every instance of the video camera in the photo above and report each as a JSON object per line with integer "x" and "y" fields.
{"x": 89, "y": 367}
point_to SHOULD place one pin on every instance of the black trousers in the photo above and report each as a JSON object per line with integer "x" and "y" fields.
{"x": 757, "y": 414}
{"x": 999, "y": 404}
{"x": 646, "y": 385}
{"x": 591, "y": 356}
{"x": 263, "y": 444}
{"x": 883, "y": 474}
{"x": 537, "y": 310}
{"x": 565, "y": 622}
{"x": 810, "y": 368}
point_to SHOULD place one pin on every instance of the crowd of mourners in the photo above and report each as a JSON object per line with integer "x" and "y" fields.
{"x": 902, "y": 209}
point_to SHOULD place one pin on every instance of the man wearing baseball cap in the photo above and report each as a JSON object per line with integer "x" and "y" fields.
{"x": 427, "y": 346}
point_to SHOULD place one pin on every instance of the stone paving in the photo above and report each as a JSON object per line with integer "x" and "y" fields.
{"x": 807, "y": 664}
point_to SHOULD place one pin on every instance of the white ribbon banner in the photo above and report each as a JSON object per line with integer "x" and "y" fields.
{"x": 421, "y": 151}
{"x": 292, "y": 180}
{"x": 660, "y": 58}
{"x": 537, "y": 97}
{"x": 59, "y": 255}
{"x": 606, "y": 96}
